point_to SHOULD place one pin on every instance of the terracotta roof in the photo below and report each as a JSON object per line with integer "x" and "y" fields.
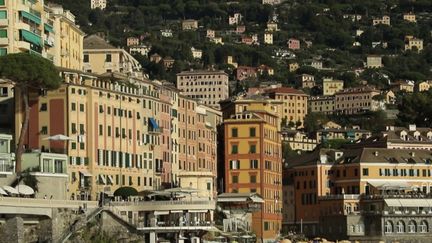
{"x": 96, "y": 42}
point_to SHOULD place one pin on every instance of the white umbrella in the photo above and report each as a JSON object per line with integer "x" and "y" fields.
{"x": 58, "y": 137}
{"x": 25, "y": 190}
{"x": 2, "y": 192}
{"x": 10, "y": 190}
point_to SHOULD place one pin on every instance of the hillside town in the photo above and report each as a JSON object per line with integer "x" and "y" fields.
{"x": 214, "y": 121}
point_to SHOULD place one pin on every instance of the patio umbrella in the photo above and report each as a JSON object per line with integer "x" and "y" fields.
{"x": 2, "y": 192}
{"x": 10, "y": 190}
{"x": 58, "y": 137}
{"x": 25, "y": 190}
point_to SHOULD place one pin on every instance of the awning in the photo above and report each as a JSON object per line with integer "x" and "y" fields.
{"x": 35, "y": 19}
{"x": 161, "y": 212}
{"x": 24, "y": 190}
{"x": 176, "y": 211}
{"x": 408, "y": 203}
{"x": 235, "y": 199}
{"x": 198, "y": 211}
{"x": 31, "y": 37}
{"x": 48, "y": 28}
{"x": 257, "y": 200}
{"x": 85, "y": 173}
{"x": 390, "y": 185}
{"x": 153, "y": 123}
{"x": 10, "y": 190}
{"x": 102, "y": 179}
{"x": 3, "y": 192}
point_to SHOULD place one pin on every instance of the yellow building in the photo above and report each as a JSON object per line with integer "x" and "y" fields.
{"x": 412, "y": 43}
{"x": 294, "y": 103}
{"x": 253, "y": 158}
{"x": 101, "y": 57}
{"x": 268, "y": 38}
{"x": 68, "y": 39}
{"x": 292, "y": 67}
{"x": 324, "y": 104}
{"x": 25, "y": 27}
{"x": 410, "y": 17}
{"x": 422, "y": 86}
{"x": 331, "y": 86}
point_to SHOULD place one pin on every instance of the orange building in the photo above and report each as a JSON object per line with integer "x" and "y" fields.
{"x": 253, "y": 158}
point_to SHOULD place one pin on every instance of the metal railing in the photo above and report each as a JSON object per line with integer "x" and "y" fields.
{"x": 159, "y": 203}
{"x": 42, "y": 203}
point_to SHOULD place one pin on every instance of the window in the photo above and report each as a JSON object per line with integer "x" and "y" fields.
{"x": 3, "y": 33}
{"x": 234, "y": 132}
{"x": 400, "y": 227}
{"x": 3, "y": 13}
{"x": 266, "y": 226}
{"x": 82, "y": 146}
{"x": 252, "y": 132}
{"x": 252, "y": 148}
{"x": 108, "y": 58}
{"x": 234, "y": 149}
{"x": 234, "y": 179}
{"x": 365, "y": 171}
{"x": 82, "y": 129}
{"x": 208, "y": 186}
{"x": 82, "y": 107}
{"x": 73, "y": 145}
{"x": 3, "y": 51}
{"x": 86, "y": 58}
{"x": 411, "y": 227}
{"x": 253, "y": 179}
{"x": 73, "y": 106}
{"x": 254, "y": 164}
{"x": 388, "y": 227}
{"x": 100, "y": 130}
{"x": 234, "y": 164}
{"x": 44, "y": 130}
{"x": 423, "y": 227}
{"x": 44, "y": 107}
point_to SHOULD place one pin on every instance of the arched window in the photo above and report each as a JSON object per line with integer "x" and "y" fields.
{"x": 388, "y": 227}
{"x": 400, "y": 227}
{"x": 424, "y": 227}
{"x": 412, "y": 226}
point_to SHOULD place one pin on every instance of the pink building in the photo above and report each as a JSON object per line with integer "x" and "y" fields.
{"x": 293, "y": 44}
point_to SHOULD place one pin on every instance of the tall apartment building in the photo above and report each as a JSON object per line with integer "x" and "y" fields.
{"x": 355, "y": 100}
{"x": 208, "y": 86}
{"x": 68, "y": 39}
{"x": 324, "y": 104}
{"x": 253, "y": 158}
{"x": 98, "y": 4}
{"x": 101, "y": 57}
{"x": 25, "y": 27}
{"x": 294, "y": 103}
{"x": 124, "y": 132}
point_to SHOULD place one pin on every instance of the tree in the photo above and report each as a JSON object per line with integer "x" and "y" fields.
{"x": 29, "y": 73}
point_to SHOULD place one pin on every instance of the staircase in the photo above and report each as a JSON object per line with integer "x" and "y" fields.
{"x": 79, "y": 224}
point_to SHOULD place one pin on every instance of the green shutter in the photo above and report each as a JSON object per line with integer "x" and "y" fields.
{"x": 48, "y": 28}
{"x": 3, "y": 51}
{"x": 3, "y": 33}
{"x": 2, "y": 2}
{"x": 3, "y": 13}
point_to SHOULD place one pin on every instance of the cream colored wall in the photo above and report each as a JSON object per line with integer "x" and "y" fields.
{"x": 97, "y": 62}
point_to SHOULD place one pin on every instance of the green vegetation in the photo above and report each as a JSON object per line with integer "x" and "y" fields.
{"x": 125, "y": 192}
{"x": 415, "y": 109}
{"x": 30, "y": 73}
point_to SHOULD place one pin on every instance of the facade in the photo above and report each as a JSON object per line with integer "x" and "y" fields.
{"x": 253, "y": 158}
{"x": 410, "y": 17}
{"x": 235, "y": 19}
{"x": 294, "y": 103}
{"x": 298, "y": 141}
{"x": 244, "y": 72}
{"x": 167, "y": 33}
{"x": 26, "y": 27}
{"x": 264, "y": 69}
{"x": 413, "y": 44}
{"x": 324, "y": 104}
{"x": 196, "y": 53}
{"x": 189, "y": 24}
{"x": 67, "y": 39}
{"x": 293, "y": 44}
{"x": 210, "y": 33}
{"x": 423, "y": 86}
{"x": 384, "y": 20}
{"x": 98, "y": 4}
{"x": 271, "y": 2}
{"x": 206, "y": 85}
{"x": 373, "y": 61}
{"x": 361, "y": 194}
{"x": 125, "y": 132}
{"x": 272, "y": 26}
{"x": 268, "y": 38}
{"x": 101, "y": 57}
{"x": 305, "y": 81}
{"x": 403, "y": 86}
{"x": 132, "y": 41}
{"x": 292, "y": 67}
{"x": 331, "y": 86}
{"x": 141, "y": 49}
{"x": 355, "y": 100}
{"x": 7, "y": 158}
{"x": 348, "y": 134}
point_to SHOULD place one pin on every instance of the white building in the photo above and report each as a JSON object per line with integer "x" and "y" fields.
{"x": 196, "y": 53}
{"x": 98, "y": 4}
